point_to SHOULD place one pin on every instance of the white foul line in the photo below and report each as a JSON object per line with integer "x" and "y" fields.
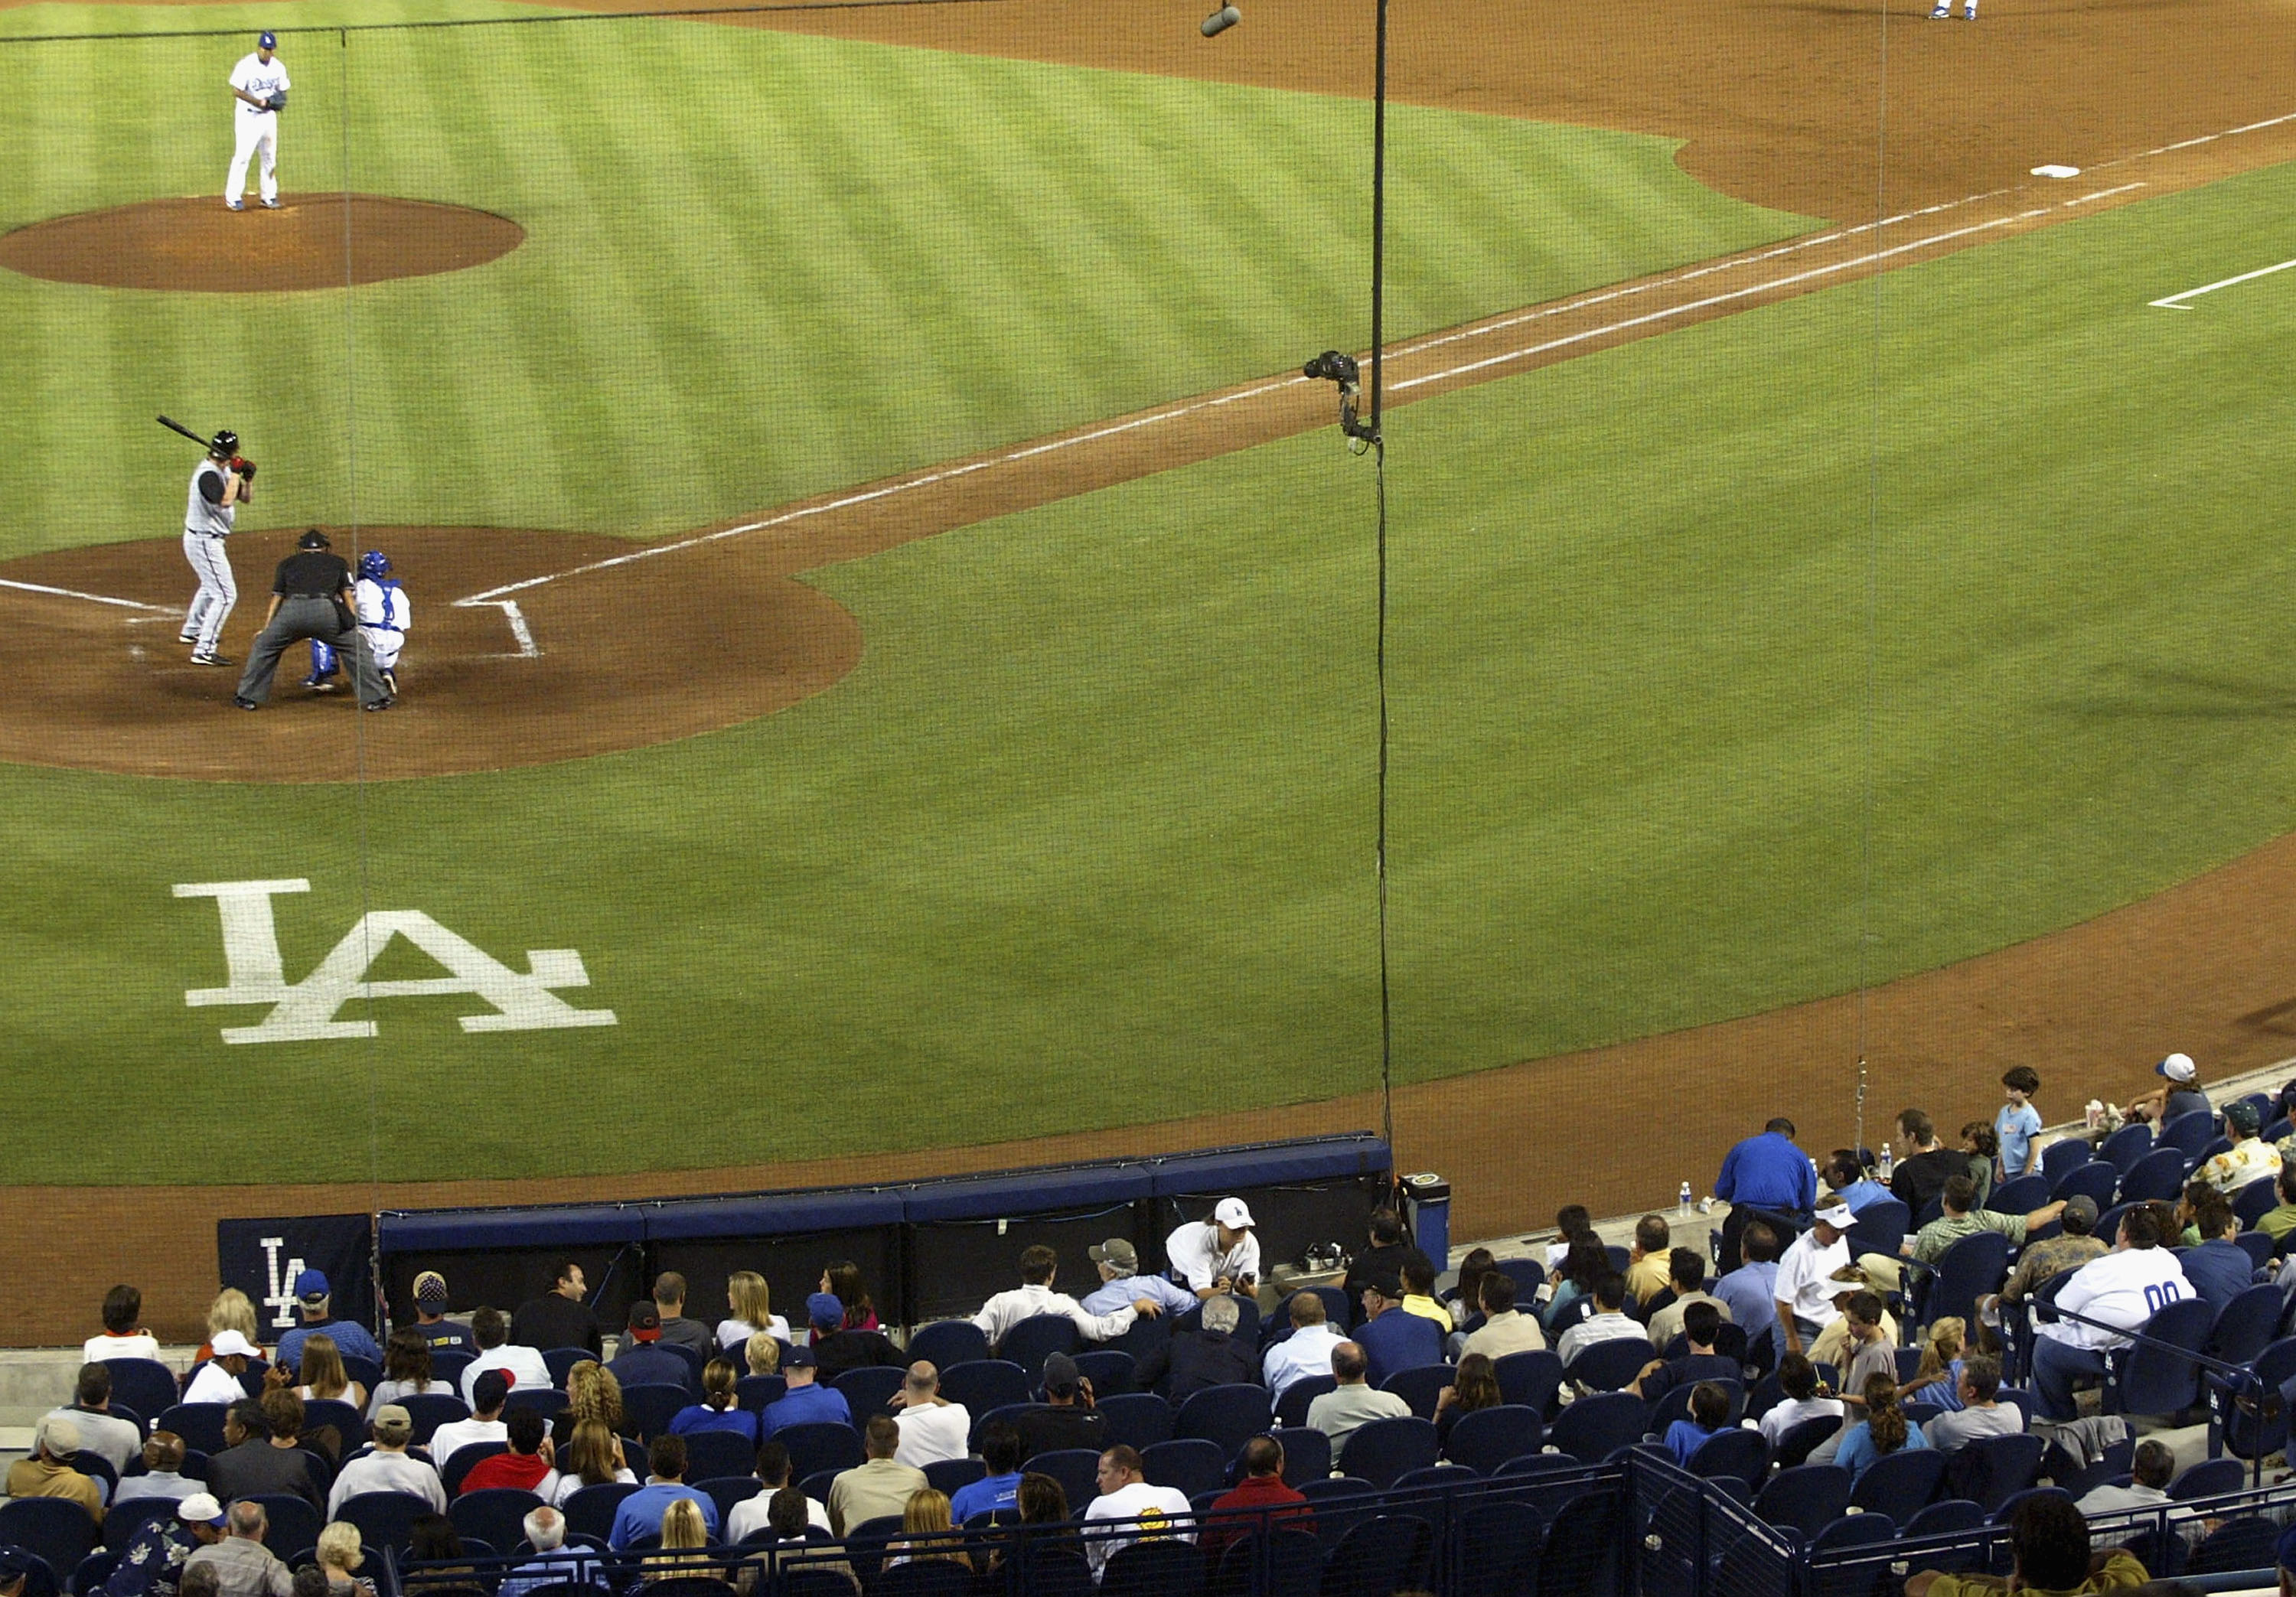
{"x": 2171, "y": 302}
{"x": 518, "y": 627}
{"x": 34, "y": 587}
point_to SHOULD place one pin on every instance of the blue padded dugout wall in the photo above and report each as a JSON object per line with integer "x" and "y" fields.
{"x": 927, "y": 1249}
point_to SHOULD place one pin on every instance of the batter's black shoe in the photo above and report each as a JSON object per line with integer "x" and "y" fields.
{"x": 377, "y": 704}
{"x": 245, "y": 703}
{"x": 212, "y": 660}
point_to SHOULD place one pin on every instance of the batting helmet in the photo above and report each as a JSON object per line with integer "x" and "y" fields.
{"x": 313, "y": 539}
{"x": 223, "y": 445}
{"x": 375, "y": 565}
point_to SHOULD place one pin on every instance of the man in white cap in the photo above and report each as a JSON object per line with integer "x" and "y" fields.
{"x": 2178, "y": 1094}
{"x": 1813, "y": 1278}
{"x": 1122, "y": 1282}
{"x": 1218, "y": 1255}
{"x": 153, "y": 1562}
{"x": 47, "y": 1471}
{"x": 217, "y": 1380}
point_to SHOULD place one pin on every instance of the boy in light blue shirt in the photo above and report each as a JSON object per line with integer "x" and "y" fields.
{"x": 2018, "y": 1123}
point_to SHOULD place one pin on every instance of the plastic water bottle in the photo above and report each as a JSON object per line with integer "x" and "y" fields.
{"x": 1889, "y": 1163}
{"x": 1681, "y": 1201}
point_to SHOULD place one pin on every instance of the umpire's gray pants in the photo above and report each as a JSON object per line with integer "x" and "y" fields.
{"x": 302, "y": 618}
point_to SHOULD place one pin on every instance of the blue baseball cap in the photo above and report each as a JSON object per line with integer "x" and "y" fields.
{"x": 311, "y": 1286}
{"x": 823, "y": 1308}
{"x": 269, "y": 41}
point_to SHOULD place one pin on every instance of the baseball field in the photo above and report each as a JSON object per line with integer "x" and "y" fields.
{"x": 898, "y": 655}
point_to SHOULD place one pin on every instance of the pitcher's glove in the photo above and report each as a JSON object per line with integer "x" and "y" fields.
{"x": 276, "y": 103}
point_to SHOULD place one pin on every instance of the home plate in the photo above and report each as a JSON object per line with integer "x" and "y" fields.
{"x": 2053, "y": 170}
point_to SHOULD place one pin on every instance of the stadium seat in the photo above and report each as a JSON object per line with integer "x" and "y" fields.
{"x": 2255, "y": 1201}
{"x": 714, "y": 1455}
{"x": 1380, "y": 1555}
{"x": 447, "y": 1364}
{"x": 1992, "y": 1470}
{"x": 1383, "y": 1451}
{"x": 868, "y": 1389}
{"x": 1112, "y": 1371}
{"x": 2156, "y": 1380}
{"x": 549, "y": 1402}
{"x": 822, "y": 1444}
{"x": 1592, "y": 1428}
{"x": 560, "y": 1361}
{"x": 2159, "y": 1177}
{"x": 122, "y": 1520}
{"x": 2061, "y": 1157}
{"x": 1433, "y": 1475}
{"x": 1187, "y": 1464}
{"x": 1486, "y": 1438}
{"x": 57, "y": 1528}
{"x": 729, "y": 1492}
{"x": 94, "y": 1570}
{"x": 1152, "y": 1567}
{"x": 1580, "y": 1536}
{"x": 865, "y": 1546}
{"x": 1291, "y": 1408}
{"x": 1880, "y": 1228}
{"x": 2245, "y": 1543}
{"x": 1607, "y": 1366}
{"x": 1497, "y": 1549}
{"x": 146, "y": 1384}
{"x": 758, "y": 1392}
{"x": 2236, "y": 1425}
{"x": 1307, "y": 1454}
{"x": 2210, "y": 1477}
{"x": 1077, "y": 1469}
{"x": 1857, "y": 1579}
{"x": 2189, "y": 1134}
{"x": 200, "y": 1424}
{"x": 919, "y": 1578}
{"x": 345, "y": 1420}
{"x": 985, "y": 1384}
{"x": 1035, "y": 1338}
{"x": 2243, "y": 1328}
{"x": 590, "y": 1511}
{"x": 648, "y": 1406}
{"x": 1740, "y": 1454}
{"x": 2126, "y": 1146}
{"x": 1972, "y": 1266}
{"x": 950, "y": 1476}
{"x": 386, "y": 1520}
{"x": 465, "y": 1459}
{"x": 2021, "y": 1196}
{"x": 1530, "y": 1378}
{"x": 1292, "y": 1565}
{"x": 1226, "y": 1416}
{"x": 1901, "y": 1482}
{"x": 430, "y": 1410}
{"x": 1807, "y": 1498}
{"x": 1136, "y": 1419}
{"x": 2008, "y": 1511}
{"x": 2095, "y": 1181}
{"x": 495, "y": 1514}
{"x": 1419, "y": 1387}
{"x": 946, "y": 1342}
{"x": 1010, "y": 1414}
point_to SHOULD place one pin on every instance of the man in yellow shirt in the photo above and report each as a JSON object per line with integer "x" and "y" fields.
{"x": 2048, "y": 1541}
{"x": 1647, "y": 1275}
{"x": 1419, "y": 1293}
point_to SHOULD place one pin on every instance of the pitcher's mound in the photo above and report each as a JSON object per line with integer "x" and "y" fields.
{"x": 311, "y": 242}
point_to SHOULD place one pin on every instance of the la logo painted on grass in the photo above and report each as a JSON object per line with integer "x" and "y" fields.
{"x": 305, "y": 1011}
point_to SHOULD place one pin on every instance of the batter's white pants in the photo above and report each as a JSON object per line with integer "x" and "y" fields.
{"x": 258, "y": 131}
{"x": 217, "y": 591}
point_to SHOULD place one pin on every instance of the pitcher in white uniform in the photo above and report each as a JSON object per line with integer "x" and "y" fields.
{"x": 259, "y": 84}
{"x": 221, "y": 484}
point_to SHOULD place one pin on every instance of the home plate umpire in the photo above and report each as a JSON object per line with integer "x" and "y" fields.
{"x": 310, "y": 598}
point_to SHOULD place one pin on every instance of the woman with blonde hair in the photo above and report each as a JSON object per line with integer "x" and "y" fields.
{"x": 324, "y": 1378}
{"x": 340, "y": 1552}
{"x": 683, "y": 1531}
{"x": 752, "y": 1303}
{"x": 926, "y": 1531}
{"x": 1938, "y": 1379}
{"x": 231, "y": 1310}
{"x": 763, "y": 1354}
{"x": 593, "y": 1458}
{"x": 591, "y": 1393}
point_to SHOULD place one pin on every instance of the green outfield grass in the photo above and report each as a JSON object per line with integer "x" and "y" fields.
{"x": 1085, "y": 839}
{"x": 758, "y": 264}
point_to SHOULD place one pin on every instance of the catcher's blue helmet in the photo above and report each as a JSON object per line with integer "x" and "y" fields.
{"x": 374, "y": 564}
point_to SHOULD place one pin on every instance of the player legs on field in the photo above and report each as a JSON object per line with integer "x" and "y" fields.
{"x": 260, "y": 86}
{"x": 220, "y": 483}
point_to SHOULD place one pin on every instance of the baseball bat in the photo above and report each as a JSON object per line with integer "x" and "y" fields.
{"x": 199, "y": 439}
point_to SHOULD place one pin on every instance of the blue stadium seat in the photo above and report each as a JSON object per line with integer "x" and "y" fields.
{"x": 950, "y": 1476}
{"x": 1740, "y": 1454}
{"x": 2156, "y": 1380}
{"x": 1187, "y": 1464}
{"x": 758, "y": 1392}
{"x": 1497, "y": 1544}
{"x": 1034, "y": 1340}
{"x": 1802, "y": 1438}
{"x": 869, "y": 1388}
{"x": 2064, "y": 1156}
{"x": 1592, "y": 1428}
{"x": 1607, "y": 1366}
{"x": 2210, "y": 1477}
{"x": 1530, "y": 1378}
{"x": 1421, "y": 1387}
{"x": 2188, "y": 1133}
{"x": 2159, "y": 1177}
{"x": 2255, "y": 1201}
{"x": 1486, "y": 1438}
{"x": 1112, "y": 1371}
{"x": 715, "y": 1454}
{"x": 1227, "y": 1416}
{"x": 1901, "y": 1483}
{"x": 1292, "y": 1562}
{"x": 146, "y": 1384}
{"x": 495, "y": 1514}
{"x": 1291, "y": 1408}
{"x": 823, "y": 1444}
{"x": 122, "y": 1520}
{"x": 2244, "y": 1327}
{"x": 648, "y": 1406}
{"x": 946, "y": 1342}
{"x": 590, "y": 1511}
{"x": 1807, "y": 1498}
{"x": 1138, "y": 1420}
{"x": 200, "y": 1424}
{"x": 386, "y": 1520}
{"x": 430, "y": 1411}
{"x": 2126, "y": 1146}
{"x": 57, "y": 1528}
{"x": 1307, "y": 1454}
{"x": 1154, "y": 1567}
{"x": 1383, "y": 1451}
{"x": 2021, "y": 1196}
{"x": 1381, "y": 1555}
{"x": 1077, "y": 1469}
{"x": 985, "y": 1384}
{"x": 2095, "y": 1181}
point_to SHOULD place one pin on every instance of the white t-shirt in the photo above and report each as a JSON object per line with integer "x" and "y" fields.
{"x": 1194, "y": 1251}
{"x": 260, "y": 80}
{"x": 1793, "y": 1411}
{"x": 736, "y": 1333}
{"x": 213, "y": 1384}
{"x": 140, "y": 1344}
{"x": 524, "y": 1366}
{"x": 382, "y": 1471}
{"x": 1153, "y": 1507}
{"x": 1805, "y": 1278}
{"x": 748, "y": 1515}
{"x": 2124, "y": 1288}
{"x": 932, "y": 1432}
{"x": 1598, "y": 1328}
{"x": 457, "y": 1433}
{"x": 556, "y": 1489}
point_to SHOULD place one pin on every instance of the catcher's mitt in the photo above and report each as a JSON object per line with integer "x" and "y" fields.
{"x": 276, "y": 103}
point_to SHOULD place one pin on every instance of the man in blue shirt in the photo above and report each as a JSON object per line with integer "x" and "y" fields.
{"x": 2218, "y": 1268}
{"x": 1000, "y": 1450}
{"x": 312, "y": 1295}
{"x": 1751, "y": 1291}
{"x": 640, "y": 1513}
{"x": 1393, "y": 1339}
{"x": 1122, "y": 1282}
{"x": 1764, "y": 1172}
{"x": 1849, "y": 1183}
{"x": 807, "y": 1403}
{"x": 641, "y": 1360}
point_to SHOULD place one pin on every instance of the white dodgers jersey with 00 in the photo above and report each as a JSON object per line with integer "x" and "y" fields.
{"x": 199, "y": 515}
{"x": 258, "y": 79}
